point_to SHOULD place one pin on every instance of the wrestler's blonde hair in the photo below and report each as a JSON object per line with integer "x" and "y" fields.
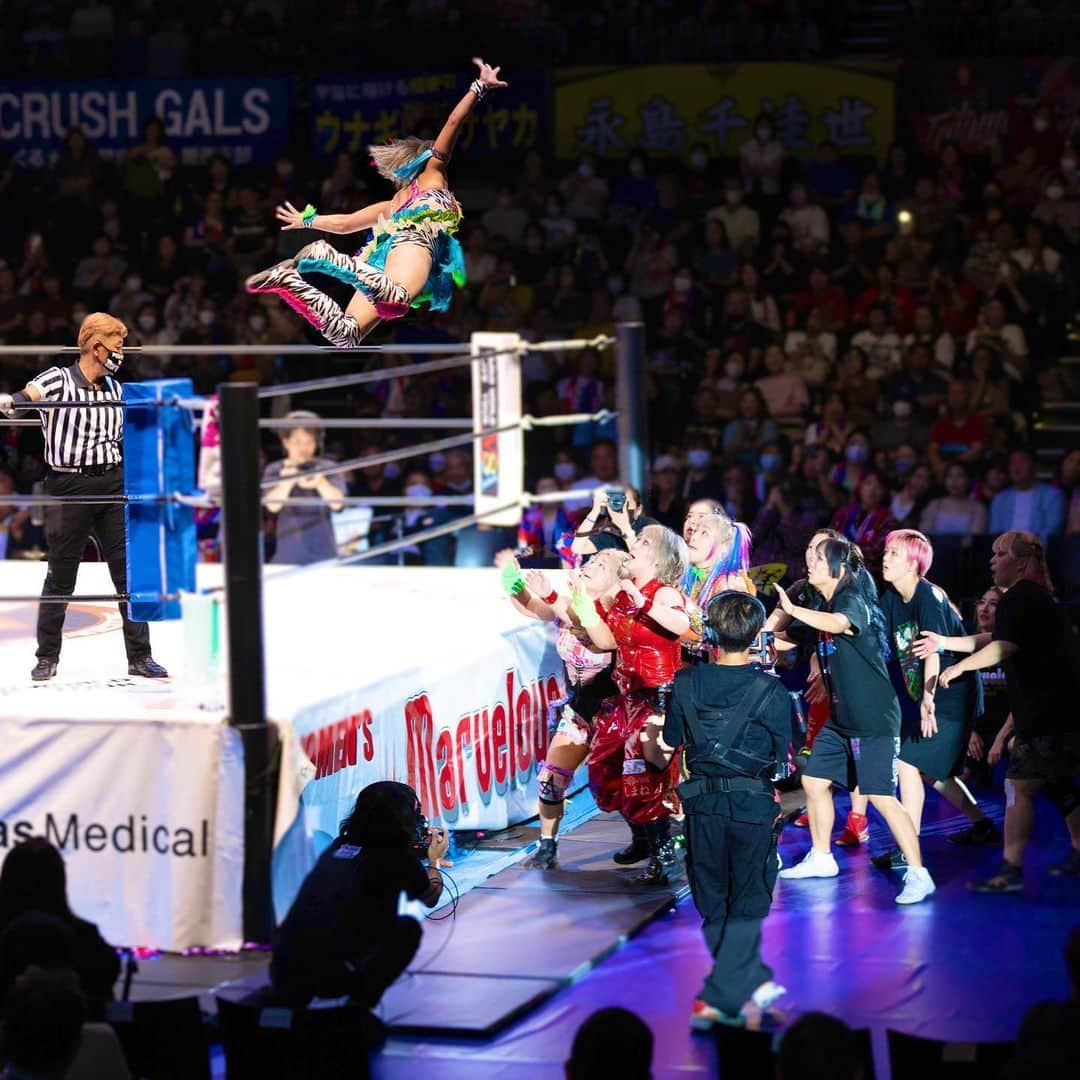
{"x": 97, "y": 325}
{"x": 672, "y": 554}
{"x": 392, "y": 155}
{"x": 1027, "y": 546}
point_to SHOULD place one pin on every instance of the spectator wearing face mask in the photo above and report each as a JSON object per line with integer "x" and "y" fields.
{"x": 152, "y": 331}
{"x": 849, "y": 473}
{"x": 1060, "y": 207}
{"x": 902, "y": 426}
{"x": 702, "y": 480}
{"x": 586, "y": 194}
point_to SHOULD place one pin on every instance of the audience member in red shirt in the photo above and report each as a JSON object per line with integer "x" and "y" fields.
{"x": 826, "y": 297}
{"x": 959, "y": 434}
{"x": 898, "y": 301}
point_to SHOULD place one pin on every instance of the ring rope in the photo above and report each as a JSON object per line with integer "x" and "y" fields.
{"x": 358, "y": 378}
{"x": 429, "y": 348}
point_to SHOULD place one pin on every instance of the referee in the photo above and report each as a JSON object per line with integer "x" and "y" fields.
{"x": 83, "y": 449}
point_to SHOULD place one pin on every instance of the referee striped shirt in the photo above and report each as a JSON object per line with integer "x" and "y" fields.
{"x": 76, "y": 438}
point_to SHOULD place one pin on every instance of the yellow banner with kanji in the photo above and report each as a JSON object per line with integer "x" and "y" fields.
{"x": 665, "y": 109}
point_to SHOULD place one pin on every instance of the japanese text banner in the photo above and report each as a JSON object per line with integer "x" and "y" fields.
{"x": 664, "y": 110}
{"x": 349, "y": 113}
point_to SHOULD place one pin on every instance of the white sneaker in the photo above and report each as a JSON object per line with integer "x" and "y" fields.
{"x": 767, "y": 995}
{"x": 918, "y": 885}
{"x": 814, "y": 864}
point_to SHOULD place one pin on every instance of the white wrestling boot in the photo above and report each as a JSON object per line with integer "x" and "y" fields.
{"x": 815, "y": 864}
{"x": 918, "y": 885}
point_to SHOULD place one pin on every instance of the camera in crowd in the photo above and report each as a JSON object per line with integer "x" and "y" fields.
{"x": 616, "y": 499}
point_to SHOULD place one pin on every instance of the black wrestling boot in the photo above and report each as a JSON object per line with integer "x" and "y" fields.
{"x": 638, "y": 848}
{"x": 44, "y": 669}
{"x": 547, "y": 855}
{"x": 147, "y": 667}
{"x": 661, "y": 853}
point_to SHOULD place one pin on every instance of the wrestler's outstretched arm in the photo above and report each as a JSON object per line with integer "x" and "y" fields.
{"x": 357, "y": 221}
{"x": 488, "y": 79}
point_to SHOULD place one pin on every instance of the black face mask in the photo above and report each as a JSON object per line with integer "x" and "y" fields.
{"x": 112, "y": 361}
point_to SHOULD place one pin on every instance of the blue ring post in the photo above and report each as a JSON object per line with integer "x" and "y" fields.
{"x": 159, "y": 460}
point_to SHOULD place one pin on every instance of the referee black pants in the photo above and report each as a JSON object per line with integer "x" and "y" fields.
{"x": 732, "y": 870}
{"x": 67, "y": 529}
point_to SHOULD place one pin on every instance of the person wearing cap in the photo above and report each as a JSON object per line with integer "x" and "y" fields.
{"x": 305, "y": 533}
{"x": 665, "y": 498}
{"x": 84, "y": 452}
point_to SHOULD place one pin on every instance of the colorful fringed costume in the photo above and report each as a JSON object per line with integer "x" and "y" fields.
{"x": 428, "y": 218}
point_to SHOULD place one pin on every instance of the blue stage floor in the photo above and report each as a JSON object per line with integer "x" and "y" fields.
{"x": 961, "y": 966}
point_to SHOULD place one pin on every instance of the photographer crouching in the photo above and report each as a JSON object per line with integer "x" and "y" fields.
{"x": 733, "y": 721}
{"x": 343, "y": 935}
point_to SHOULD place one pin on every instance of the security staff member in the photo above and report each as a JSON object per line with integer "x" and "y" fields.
{"x": 83, "y": 449}
{"x": 734, "y": 723}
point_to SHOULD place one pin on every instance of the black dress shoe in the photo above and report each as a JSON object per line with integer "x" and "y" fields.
{"x": 148, "y": 668}
{"x": 43, "y": 669}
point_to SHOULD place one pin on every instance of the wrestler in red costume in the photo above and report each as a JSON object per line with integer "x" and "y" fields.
{"x": 631, "y": 770}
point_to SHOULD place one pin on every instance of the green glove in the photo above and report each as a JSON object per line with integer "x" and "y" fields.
{"x": 512, "y": 580}
{"x": 584, "y": 609}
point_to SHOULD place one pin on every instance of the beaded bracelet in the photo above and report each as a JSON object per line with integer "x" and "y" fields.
{"x": 308, "y": 215}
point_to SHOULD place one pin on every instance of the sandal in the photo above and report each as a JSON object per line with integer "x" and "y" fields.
{"x": 1007, "y": 879}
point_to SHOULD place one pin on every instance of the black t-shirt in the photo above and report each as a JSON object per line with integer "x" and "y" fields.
{"x": 928, "y": 609}
{"x": 344, "y": 906}
{"x": 863, "y": 701}
{"x": 1042, "y": 679}
{"x": 769, "y": 735}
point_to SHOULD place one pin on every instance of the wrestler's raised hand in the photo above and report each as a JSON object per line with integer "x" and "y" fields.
{"x": 538, "y": 584}
{"x": 505, "y": 557}
{"x": 489, "y": 75}
{"x": 289, "y": 216}
{"x": 783, "y": 599}
{"x": 631, "y": 590}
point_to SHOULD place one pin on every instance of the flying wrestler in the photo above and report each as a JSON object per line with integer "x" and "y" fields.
{"x": 412, "y": 257}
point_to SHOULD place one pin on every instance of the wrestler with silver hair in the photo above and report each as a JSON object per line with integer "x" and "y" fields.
{"x": 631, "y": 770}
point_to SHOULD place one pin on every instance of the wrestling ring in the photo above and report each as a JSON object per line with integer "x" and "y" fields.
{"x": 189, "y": 809}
